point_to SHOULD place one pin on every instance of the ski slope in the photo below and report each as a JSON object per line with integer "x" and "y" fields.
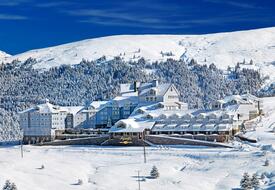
{"x": 223, "y": 49}
{"x": 182, "y": 167}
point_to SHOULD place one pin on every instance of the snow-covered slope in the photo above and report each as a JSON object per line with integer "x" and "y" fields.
{"x": 3, "y": 55}
{"x": 223, "y": 49}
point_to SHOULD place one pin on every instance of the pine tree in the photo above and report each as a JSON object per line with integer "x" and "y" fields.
{"x": 154, "y": 172}
{"x": 255, "y": 181}
{"x": 9, "y": 186}
{"x": 246, "y": 182}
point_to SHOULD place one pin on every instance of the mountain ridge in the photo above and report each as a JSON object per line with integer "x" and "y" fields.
{"x": 222, "y": 49}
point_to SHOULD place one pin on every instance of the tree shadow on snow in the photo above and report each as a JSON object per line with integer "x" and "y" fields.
{"x": 75, "y": 184}
{"x": 142, "y": 177}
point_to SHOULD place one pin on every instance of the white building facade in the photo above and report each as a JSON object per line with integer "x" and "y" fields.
{"x": 140, "y": 108}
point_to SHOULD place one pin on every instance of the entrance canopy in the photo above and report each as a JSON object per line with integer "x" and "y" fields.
{"x": 131, "y": 126}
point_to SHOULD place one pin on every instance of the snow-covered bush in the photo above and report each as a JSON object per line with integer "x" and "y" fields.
{"x": 9, "y": 186}
{"x": 255, "y": 181}
{"x": 245, "y": 182}
{"x": 154, "y": 172}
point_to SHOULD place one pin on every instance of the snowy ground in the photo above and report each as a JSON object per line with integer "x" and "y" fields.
{"x": 105, "y": 168}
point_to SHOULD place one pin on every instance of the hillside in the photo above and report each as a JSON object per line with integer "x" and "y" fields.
{"x": 223, "y": 49}
{"x": 3, "y": 55}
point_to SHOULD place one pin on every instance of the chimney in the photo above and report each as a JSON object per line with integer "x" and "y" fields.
{"x": 135, "y": 86}
{"x": 155, "y": 83}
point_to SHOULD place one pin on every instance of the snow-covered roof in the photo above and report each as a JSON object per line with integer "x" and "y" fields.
{"x": 175, "y": 115}
{"x": 236, "y": 98}
{"x": 28, "y": 110}
{"x": 122, "y": 100}
{"x": 191, "y": 127}
{"x": 48, "y": 108}
{"x": 187, "y": 116}
{"x": 126, "y": 88}
{"x": 160, "y": 89}
{"x": 98, "y": 104}
{"x": 249, "y": 96}
{"x": 131, "y": 125}
{"x": 72, "y": 109}
{"x": 210, "y": 127}
{"x": 243, "y": 99}
{"x": 164, "y": 127}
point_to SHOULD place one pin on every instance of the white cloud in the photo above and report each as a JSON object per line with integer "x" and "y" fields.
{"x": 12, "y": 17}
{"x": 54, "y": 4}
{"x": 238, "y": 4}
{"x": 12, "y": 2}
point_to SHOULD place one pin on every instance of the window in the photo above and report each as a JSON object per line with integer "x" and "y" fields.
{"x": 115, "y": 112}
{"x": 152, "y": 92}
{"x": 172, "y": 97}
{"x": 171, "y": 89}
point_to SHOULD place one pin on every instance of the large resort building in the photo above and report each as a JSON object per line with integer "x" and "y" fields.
{"x": 142, "y": 109}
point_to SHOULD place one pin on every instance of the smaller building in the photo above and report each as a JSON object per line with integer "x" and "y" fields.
{"x": 246, "y": 106}
{"x": 153, "y": 119}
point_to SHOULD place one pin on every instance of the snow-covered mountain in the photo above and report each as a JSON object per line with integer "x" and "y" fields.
{"x": 3, "y": 55}
{"x": 223, "y": 49}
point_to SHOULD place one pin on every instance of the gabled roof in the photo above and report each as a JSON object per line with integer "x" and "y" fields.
{"x": 160, "y": 89}
{"x": 48, "y": 108}
{"x": 98, "y": 104}
{"x": 126, "y": 88}
{"x": 72, "y": 109}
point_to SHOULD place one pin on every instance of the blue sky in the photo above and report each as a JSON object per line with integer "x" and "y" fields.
{"x": 31, "y": 24}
